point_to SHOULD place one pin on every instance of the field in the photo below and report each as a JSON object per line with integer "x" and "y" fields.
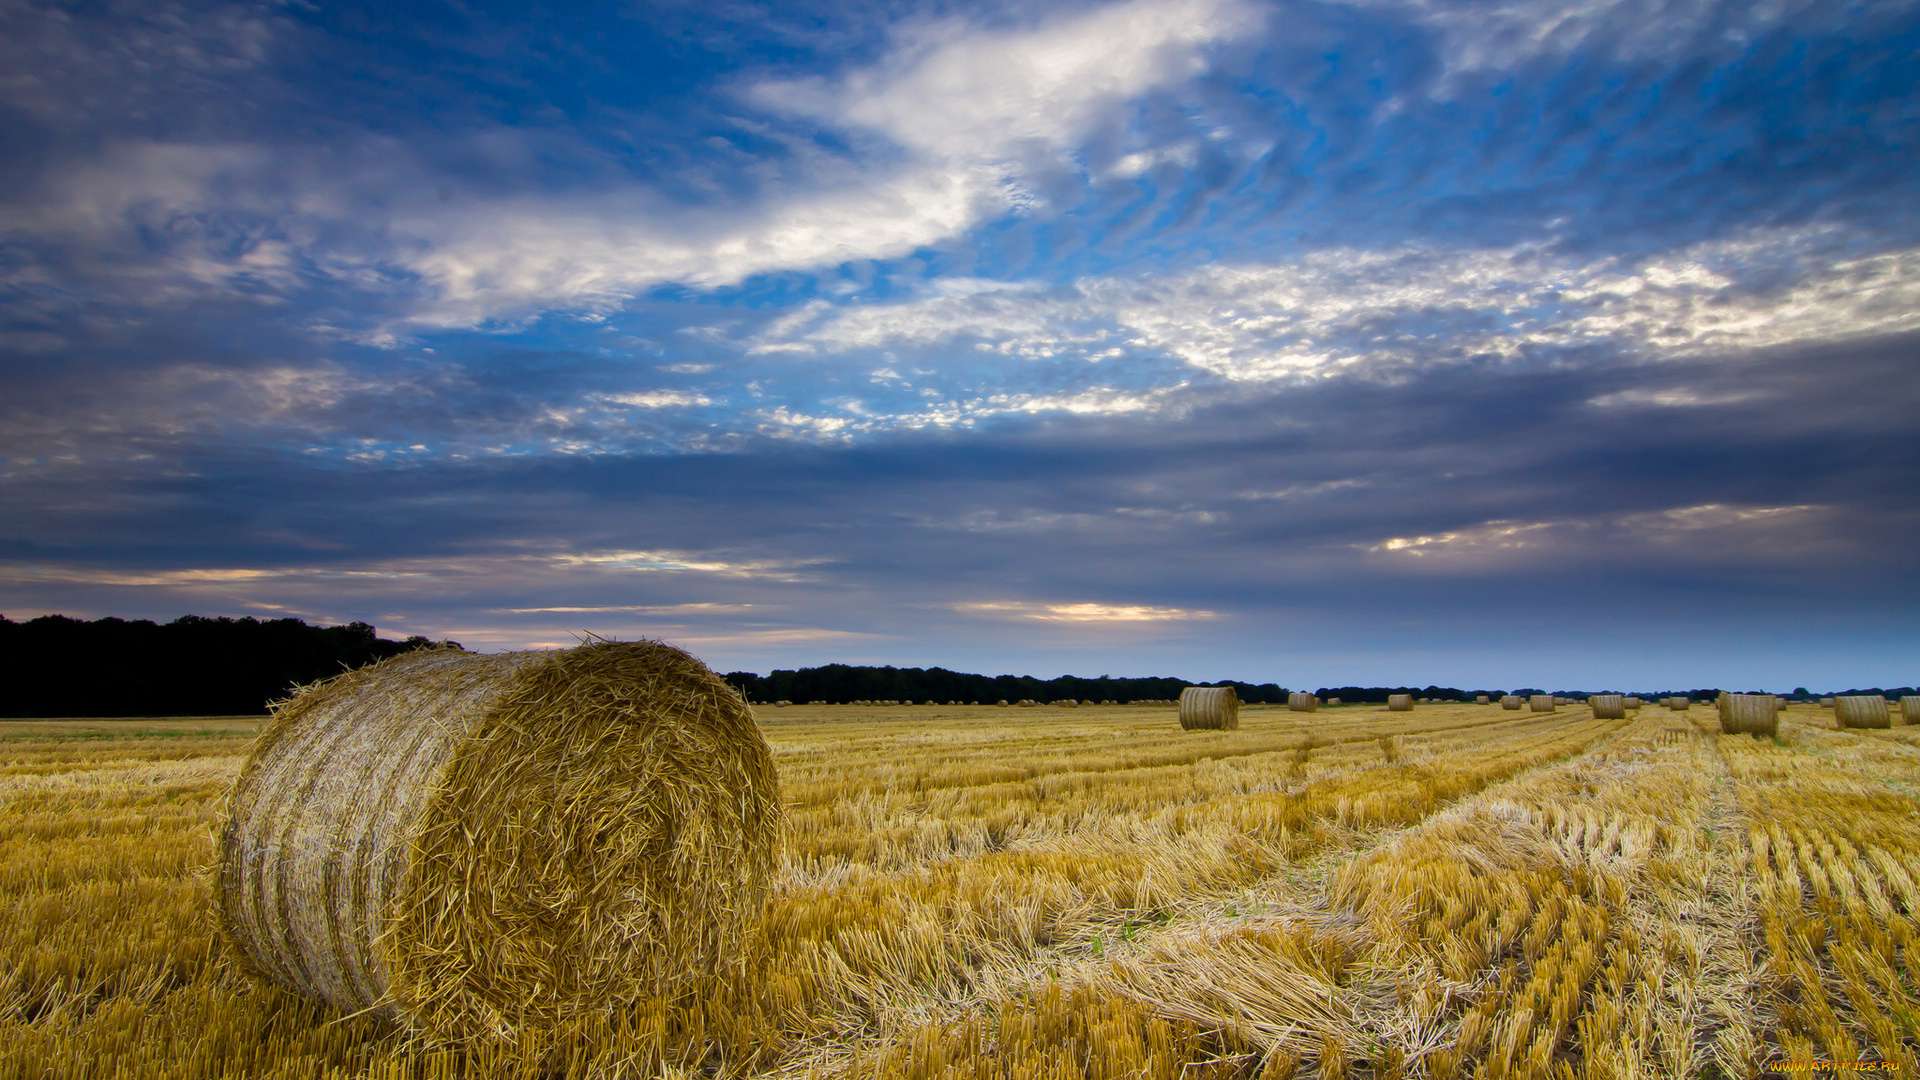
{"x": 1457, "y": 891}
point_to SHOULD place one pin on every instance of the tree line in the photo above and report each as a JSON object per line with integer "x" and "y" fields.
{"x": 838, "y": 684}
{"x": 192, "y": 666}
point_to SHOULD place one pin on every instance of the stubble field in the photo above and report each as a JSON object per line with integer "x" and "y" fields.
{"x": 1459, "y": 891}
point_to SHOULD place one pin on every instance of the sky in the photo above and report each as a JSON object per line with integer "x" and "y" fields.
{"x": 1568, "y": 343}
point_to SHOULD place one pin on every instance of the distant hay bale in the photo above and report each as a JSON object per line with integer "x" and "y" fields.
{"x": 1608, "y": 706}
{"x": 1679, "y": 704}
{"x": 1399, "y": 702}
{"x": 1563, "y": 701}
{"x": 1299, "y": 701}
{"x": 1333, "y": 701}
{"x": 1215, "y": 708}
{"x": 782, "y": 703}
{"x": 1542, "y": 702}
{"x": 1510, "y": 701}
{"x": 1910, "y": 708}
{"x": 1066, "y": 703}
{"x": 1826, "y": 703}
{"x": 1748, "y": 714}
{"x": 1002, "y": 703}
{"x": 1632, "y": 702}
{"x": 1027, "y": 703}
{"x": 488, "y": 847}
{"x": 1862, "y": 711}
{"x": 1483, "y": 699}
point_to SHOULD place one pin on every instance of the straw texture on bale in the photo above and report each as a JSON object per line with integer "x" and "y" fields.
{"x": 1482, "y": 699}
{"x": 1302, "y": 702}
{"x": 1608, "y": 706}
{"x": 490, "y": 847}
{"x": 1399, "y": 702}
{"x": 1679, "y": 704}
{"x": 1510, "y": 701}
{"x": 1210, "y": 707}
{"x": 1865, "y": 711}
{"x": 1749, "y": 714}
{"x": 1541, "y": 703}
{"x": 1333, "y": 701}
{"x": 1633, "y": 702}
{"x": 1910, "y": 708}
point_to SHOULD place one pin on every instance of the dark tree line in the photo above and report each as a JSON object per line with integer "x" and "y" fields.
{"x": 838, "y": 684}
{"x": 192, "y": 666}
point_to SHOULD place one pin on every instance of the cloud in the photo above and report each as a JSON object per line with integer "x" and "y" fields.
{"x": 1339, "y": 310}
{"x": 1084, "y": 612}
{"x": 1709, "y": 532}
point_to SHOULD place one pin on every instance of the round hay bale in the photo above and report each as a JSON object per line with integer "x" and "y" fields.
{"x": 1563, "y": 701}
{"x": 1608, "y": 706}
{"x": 1910, "y": 708}
{"x": 1333, "y": 701}
{"x": 1679, "y": 704}
{"x": 1632, "y": 702}
{"x": 489, "y": 847}
{"x": 1542, "y": 702}
{"x": 1826, "y": 703}
{"x": 1749, "y": 714}
{"x": 1214, "y": 708}
{"x": 1399, "y": 702}
{"x": 1863, "y": 711}
{"x": 1483, "y": 699}
{"x": 1299, "y": 701}
{"x": 1510, "y": 701}
{"x": 1002, "y": 703}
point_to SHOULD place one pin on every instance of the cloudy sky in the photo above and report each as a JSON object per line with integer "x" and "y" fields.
{"x": 1522, "y": 342}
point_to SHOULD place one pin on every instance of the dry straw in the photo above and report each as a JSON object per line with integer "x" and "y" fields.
{"x": 1608, "y": 706}
{"x": 1864, "y": 711}
{"x": 1302, "y": 702}
{"x": 1209, "y": 707}
{"x": 1399, "y": 702}
{"x": 495, "y": 847}
{"x": 1542, "y": 702}
{"x": 1511, "y": 701}
{"x": 1749, "y": 714}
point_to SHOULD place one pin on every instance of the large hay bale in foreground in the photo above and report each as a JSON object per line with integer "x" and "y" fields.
{"x": 1399, "y": 702}
{"x": 495, "y": 847}
{"x": 1510, "y": 701}
{"x": 1215, "y": 708}
{"x": 1542, "y": 703}
{"x": 1863, "y": 711}
{"x": 1608, "y": 706}
{"x": 1910, "y": 708}
{"x": 1749, "y": 714}
{"x": 1299, "y": 701}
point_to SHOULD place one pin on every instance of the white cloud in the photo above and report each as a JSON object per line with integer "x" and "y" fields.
{"x": 658, "y": 399}
{"x": 962, "y": 112}
{"x": 1711, "y": 532}
{"x": 1330, "y": 311}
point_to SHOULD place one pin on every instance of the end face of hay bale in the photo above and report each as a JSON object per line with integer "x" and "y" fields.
{"x": 1864, "y": 711}
{"x": 1302, "y": 702}
{"x": 1511, "y": 701}
{"x": 1399, "y": 702}
{"x": 1608, "y": 706}
{"x": 1542, "y": 702}
{"x": 1749, "y": 714}
{"x": 1209, "y": 708}
{"x": 489, "y": 847}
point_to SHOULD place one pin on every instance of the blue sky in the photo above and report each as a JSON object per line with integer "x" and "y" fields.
{"x": 1569, "y": 342}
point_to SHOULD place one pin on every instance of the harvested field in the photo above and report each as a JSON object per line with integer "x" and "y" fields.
{"x": 1456, "y": 891}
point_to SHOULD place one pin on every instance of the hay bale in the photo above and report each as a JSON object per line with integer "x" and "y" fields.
{"x": 1002, "y": 703}
{"x": 1679, "y": 704}
{"x": 1215, "y": 708}
{"x": 1399, "y": 702}
{"x": 1299, "y": 701}
{"x": 1542, "y": 702}
{"x": 1510, "y": 701}
{"x": 1910, "y": 708}
{"x": 1608, "y": 706}
{"x": 1826, "y": 703}
{"x": 1563, "y": 701}
{"x": 1483, "y": 699}
{"x": 1864, "y": 711}
{"x": 1632, "y": 702}
{"x": 1333, "y": 701}
{"x": 489, "y": 847}
{"x": 1748, "y": 714}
